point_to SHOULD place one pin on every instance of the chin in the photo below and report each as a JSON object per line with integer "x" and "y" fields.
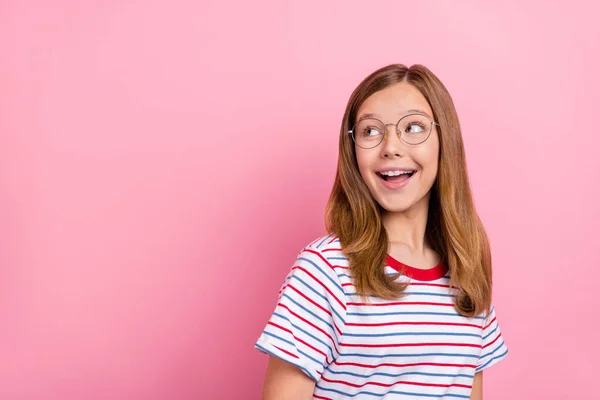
{"x": 402, "y": 203}
{"x": 397, "y": 209}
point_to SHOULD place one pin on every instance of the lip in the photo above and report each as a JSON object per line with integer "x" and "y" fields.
{"x": 396, "y": 185}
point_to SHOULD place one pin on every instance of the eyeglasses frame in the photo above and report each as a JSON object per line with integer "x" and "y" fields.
{"x": 351, "y": 131}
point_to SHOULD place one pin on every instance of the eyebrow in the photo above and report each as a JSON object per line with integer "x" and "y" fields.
{"x": 412, "y": 110}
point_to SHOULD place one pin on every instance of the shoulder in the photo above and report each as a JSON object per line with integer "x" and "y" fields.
{"x": 326, "y": 251}
{"x": 325, "y": 244}
{"x": 316, "y": 263}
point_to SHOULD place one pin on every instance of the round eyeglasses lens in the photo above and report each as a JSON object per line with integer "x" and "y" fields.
{"x": 414, "y": 128}
{"x": 368, "y": 133}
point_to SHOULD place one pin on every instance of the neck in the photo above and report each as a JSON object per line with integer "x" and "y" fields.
{"x": 407, "y": 228}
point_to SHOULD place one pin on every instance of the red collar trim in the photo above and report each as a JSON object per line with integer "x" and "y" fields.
{"x": 431, "y": 274}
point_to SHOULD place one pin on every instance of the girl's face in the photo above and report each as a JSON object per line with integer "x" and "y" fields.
{"x": 399, "y": 193}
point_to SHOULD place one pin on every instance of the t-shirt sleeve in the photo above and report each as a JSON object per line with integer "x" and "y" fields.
{"x": 306, "y": 326}
{"x": 494, "y": 349}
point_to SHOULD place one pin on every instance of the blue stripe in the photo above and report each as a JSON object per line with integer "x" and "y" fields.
{"x": 490, "y": 314}
{"x": 429, "y": 294}
{"x": 336, "y": 258}
{"x": 488, "y": 335}
{"x": 342, "y": 274}
{"x": 387, "y": 273}
{"x": 311, "y": 244}
{"x": 392, "y": 392}
{"x": 279, "y": 338}
{"x": 281, "y": 356}
{"x": 331, "y": 307}
{"x": 326, "y": 322}
{"x": 417, "y": 293}
{"x": 492, "y": 351}
{"x": 305, "y": 332}
{"x": 350, "y": 276}
{"x": 310, "y": 358}
{"x": 358, "y": 314}
{"x": 406, "y": 355}
{"x": 326, "y": 237}
{"x": 490, "y": 360}
{"x": 411, "y": 333}
{"x": 399, "y": 375}
{"x": 336, "y": 284}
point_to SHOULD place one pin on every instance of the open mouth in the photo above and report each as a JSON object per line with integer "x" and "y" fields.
{"x": 396, "y": 176}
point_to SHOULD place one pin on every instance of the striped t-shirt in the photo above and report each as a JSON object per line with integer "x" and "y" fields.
{"x": 417, "y": 347}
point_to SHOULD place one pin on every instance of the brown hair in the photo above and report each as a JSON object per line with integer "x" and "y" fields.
{"x": 454, "y": 230}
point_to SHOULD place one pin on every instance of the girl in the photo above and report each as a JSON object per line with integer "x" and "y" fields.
{"x": 396, "y": 301}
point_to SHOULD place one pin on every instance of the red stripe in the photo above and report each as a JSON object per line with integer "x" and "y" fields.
{"x": 332, "y": 239}
{"x": 300, "y": 340}
{"x": 352, "y": 364}
{"x": 320, "y": 256}
{"x": 492, "y": 342}
{"x": 332, "y": 250}
{"x": 316, "y": 396}
{"x": 347, "y": 284}
{"x": 488, "y": 325}
{"x": 311, "y": 324}
{"x": 397, "y": 383}
{"x": 314, "y": 303}
{"x": 338, "y": 266}
{"x": 313, "y": 243}
{"x": 410, "y": 345}
{"x": 411, "y": 323}
{"x": 286, "y": 352}
{"x": 325, "y": 260}
{"x": 399, "y": 303}
{"x": 322, "y": 284}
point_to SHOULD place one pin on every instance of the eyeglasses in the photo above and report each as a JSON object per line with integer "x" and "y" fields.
{"x": 412, "y": 129}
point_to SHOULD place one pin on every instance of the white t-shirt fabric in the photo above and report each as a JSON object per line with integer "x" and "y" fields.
{"x": 417, "y": 347}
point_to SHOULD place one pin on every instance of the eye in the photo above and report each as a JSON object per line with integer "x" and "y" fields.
{"x": 370, "y": 131}
{"x": 415, "y": 127}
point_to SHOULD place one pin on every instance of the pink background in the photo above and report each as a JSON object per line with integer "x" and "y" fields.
{"x": 162, "y": 163}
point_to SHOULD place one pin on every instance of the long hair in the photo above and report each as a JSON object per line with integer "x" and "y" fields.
{"x": 453, "y": 227}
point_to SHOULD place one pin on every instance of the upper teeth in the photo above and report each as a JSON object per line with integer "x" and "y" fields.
{"x": 395, "y": 173}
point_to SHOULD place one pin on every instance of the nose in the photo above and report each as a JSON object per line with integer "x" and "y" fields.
{"x": 392, "y": 146}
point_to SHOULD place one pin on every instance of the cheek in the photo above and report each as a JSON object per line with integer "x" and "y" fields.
{"x": 362, "y": 160}
{"x": 427, "y": 157}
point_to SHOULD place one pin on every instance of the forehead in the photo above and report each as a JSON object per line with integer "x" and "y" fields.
{"x": 394, "y": 101}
